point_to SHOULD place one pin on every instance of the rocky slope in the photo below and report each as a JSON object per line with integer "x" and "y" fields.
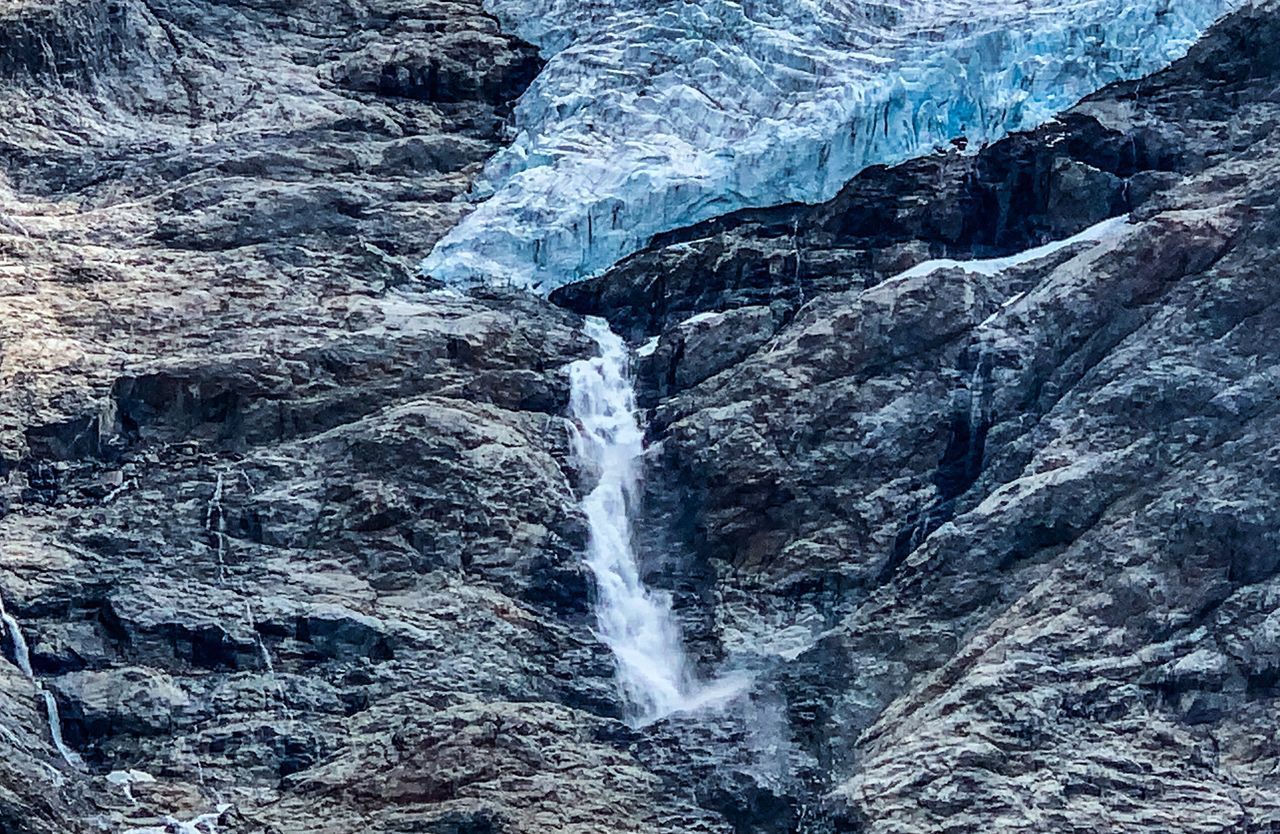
{"x": 1028, "y": 511}
{"x": 296, "y": 534}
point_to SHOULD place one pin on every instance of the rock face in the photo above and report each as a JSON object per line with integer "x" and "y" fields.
{"x": 279, "y": 537}
{"x": 1029, "y": 512}
{"x": 294, "y": 535}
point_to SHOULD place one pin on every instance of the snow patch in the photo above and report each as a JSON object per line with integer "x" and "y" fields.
{"x": 1110, "y": 228}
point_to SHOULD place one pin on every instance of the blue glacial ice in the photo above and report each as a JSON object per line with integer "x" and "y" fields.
{"x": 656, "y": 114}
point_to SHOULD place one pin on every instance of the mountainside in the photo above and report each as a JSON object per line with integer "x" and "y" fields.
{"x": 961, "y": 486}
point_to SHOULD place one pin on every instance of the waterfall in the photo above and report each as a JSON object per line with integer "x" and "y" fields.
{"x": 636, "y": 623}
{"x": 21, "y": 653}
{"x": 22, "y": 657}
{"x": 69, "y": 756}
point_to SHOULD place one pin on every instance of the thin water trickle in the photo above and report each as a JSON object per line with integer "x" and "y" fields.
{"x": 636, "y": 622}
{"x": 22, "y": 657}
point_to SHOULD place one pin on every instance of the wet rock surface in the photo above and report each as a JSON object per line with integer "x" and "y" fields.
{"x": 294, "y": 536}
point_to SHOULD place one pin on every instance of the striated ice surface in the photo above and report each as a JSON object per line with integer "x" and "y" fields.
{"x": 655, "y": 114}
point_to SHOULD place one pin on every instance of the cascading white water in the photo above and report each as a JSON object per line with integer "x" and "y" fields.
{"x": 21, "y": 653}
{"x": 636, "y": 622}
{"x": 202, "y": 824}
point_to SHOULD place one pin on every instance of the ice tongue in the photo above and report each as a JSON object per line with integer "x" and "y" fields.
{"x": 652, "y": 115}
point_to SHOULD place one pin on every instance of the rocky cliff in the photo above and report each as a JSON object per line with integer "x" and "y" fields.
{"x": 294, "y": 534}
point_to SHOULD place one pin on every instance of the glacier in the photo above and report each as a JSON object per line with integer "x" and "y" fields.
{"x": 651, "y": 115}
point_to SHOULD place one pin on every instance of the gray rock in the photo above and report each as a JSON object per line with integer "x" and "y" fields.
{"x": 296, "y": 534}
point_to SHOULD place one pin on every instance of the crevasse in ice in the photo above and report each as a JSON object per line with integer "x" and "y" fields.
{"x": 655, "y": 114}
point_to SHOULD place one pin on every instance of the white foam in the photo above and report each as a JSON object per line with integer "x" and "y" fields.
{"x": 636, "y": 622}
